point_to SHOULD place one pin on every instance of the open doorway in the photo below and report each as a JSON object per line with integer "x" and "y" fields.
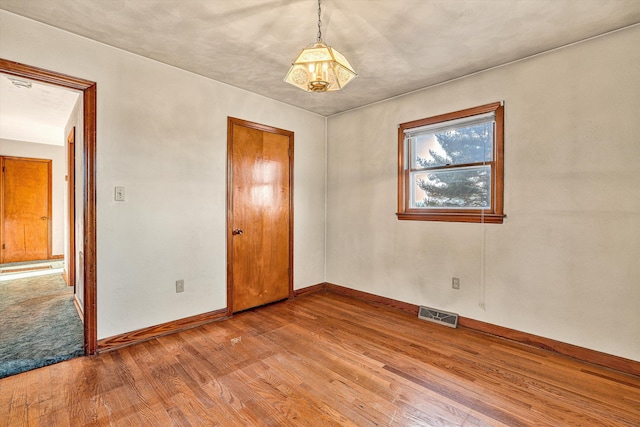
{"x": 85, "y": 210}
{"x": 38, "y": 306}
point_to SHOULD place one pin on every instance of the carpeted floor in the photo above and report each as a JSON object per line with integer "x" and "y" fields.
{"x": 39, "y": 324}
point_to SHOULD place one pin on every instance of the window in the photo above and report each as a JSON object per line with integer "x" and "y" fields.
{"x": 450, "y": 167}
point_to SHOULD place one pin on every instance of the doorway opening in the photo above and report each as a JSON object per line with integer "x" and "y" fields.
{"x": 41, "y": 319}
{"x": 86, "y": 267}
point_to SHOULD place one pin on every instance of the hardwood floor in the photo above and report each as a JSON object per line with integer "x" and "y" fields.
{"x": 321, "y": 360}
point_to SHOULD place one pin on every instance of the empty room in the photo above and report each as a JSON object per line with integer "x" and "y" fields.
{"x": 346, "y": 212}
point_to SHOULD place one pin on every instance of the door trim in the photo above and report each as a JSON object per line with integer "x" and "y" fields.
{"x": 231, "y": 121}
{"x": 71, "y": 198}
{"x": 49, "y": 163}
{"x": 88, "y": 89}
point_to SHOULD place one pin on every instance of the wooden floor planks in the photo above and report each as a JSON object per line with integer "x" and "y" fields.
{"x": 322, "y": 360}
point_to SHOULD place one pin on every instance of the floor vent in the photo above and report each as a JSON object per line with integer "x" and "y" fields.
{"x": 438, "y": 316}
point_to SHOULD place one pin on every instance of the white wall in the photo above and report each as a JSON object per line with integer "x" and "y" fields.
{"x": 76, "y": 121}
{"x": 58, "y": 159}
{"x": 162, "y": 134}
{"x": 564, "y": 264}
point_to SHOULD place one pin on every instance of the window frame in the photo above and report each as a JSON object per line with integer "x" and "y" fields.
{"x": 492, "y": 215}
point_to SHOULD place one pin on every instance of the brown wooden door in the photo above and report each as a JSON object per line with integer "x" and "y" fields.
{"x": 259, "y": 219}
{"x": 26, "y": 209}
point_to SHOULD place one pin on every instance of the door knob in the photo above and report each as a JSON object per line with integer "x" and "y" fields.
{"x": 237, "y": 231}
{"x": 43, "y": 218}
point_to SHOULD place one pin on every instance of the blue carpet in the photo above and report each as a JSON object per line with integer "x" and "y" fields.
{"x": 39, "y": 324}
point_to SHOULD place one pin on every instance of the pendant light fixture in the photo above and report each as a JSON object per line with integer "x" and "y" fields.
{"x": 320, "y": 68}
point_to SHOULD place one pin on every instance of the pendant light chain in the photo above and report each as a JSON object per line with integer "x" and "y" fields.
{"x": 319, "y": 24}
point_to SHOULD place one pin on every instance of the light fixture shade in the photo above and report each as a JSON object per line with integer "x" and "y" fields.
{"x": 320, "y": 68}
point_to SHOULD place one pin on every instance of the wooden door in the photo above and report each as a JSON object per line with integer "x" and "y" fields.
{"x": 259, "y": 218}
{"x": 26, "y": 209}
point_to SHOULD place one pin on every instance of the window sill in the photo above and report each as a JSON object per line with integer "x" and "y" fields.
{"x": 452, "y": 217}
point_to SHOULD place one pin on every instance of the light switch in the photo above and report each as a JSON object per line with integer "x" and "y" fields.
{"x": 119, "y": 194}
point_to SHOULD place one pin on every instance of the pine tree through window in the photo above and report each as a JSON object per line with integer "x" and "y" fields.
{"x": 450, "y": 167}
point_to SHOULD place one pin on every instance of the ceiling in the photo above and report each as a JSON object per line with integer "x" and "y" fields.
{"x": 396, "y": 46}
{"x": 34, "y": 112}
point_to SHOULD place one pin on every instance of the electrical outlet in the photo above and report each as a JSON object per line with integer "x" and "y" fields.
{"x": 455, "y": 282}
{"x": 179, "y": 286}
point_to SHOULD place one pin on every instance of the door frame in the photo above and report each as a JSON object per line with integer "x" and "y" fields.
{"x": 89, "y": 92}
{"x": 71, "y": 199}
{"x": 49, "y": 199}
{"x": 231, "y": 121}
